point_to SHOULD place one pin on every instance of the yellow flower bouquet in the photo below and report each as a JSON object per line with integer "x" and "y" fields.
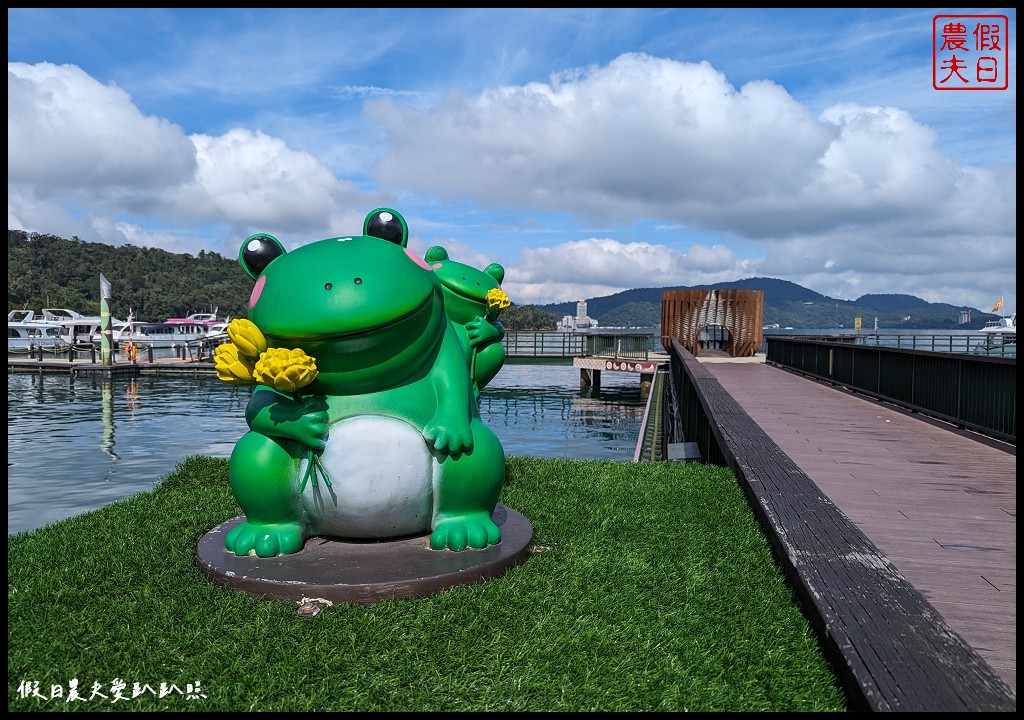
{"x": 288, "y": 371}
{"x": 285, "y": 370}
{"x": 232, "y": 366}
{"x": 247, "y": 360}
{"x": 236, "y": 360}
{"x": 497, "y": 301}
{"x": 247, "y": 338}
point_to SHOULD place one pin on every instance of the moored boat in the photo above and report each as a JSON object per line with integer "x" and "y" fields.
{"x": 142, "y": 335}
{"x": 27, "y": 334}
{"x": 209, "y": 320}
{"x": 1000, "y": 337}
{"x": 77, "y": 329}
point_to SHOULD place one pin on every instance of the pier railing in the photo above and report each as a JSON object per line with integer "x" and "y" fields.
{"x": 972, "y": 391}
{"x": 622, "y": 347}
{"x": 543, "y": 344}
{"x": 547, "y": 344}
{"x": 973, "y": 343}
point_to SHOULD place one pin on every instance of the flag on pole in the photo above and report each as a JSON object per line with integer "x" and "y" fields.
{"x": 999, "y": 304}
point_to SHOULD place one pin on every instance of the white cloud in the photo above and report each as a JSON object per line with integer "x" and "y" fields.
{"x": 856, "y": 199}
{"x": 855, "y": 191}
{"x": 78, "y": 148}
{"x": 67, "y": 132}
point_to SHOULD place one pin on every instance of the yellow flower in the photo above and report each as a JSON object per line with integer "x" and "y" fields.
{"x": 285, "y": 370}
{"x": 497, "y": 300}
{"x": 232, "y": 367}
{"x": 247, "y": 337}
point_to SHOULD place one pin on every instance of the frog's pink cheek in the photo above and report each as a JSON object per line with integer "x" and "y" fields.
{"x": 257, "y": 289}
{"x": 418, "y": 260}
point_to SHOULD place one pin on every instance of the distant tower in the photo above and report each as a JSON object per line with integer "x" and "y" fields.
{"x": 581, "y": 309}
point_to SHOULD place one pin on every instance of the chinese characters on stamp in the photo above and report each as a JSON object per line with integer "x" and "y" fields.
{"x": 970, "y": 52}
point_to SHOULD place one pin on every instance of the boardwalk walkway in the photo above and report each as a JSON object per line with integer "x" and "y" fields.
{"x": 939, "y": 503}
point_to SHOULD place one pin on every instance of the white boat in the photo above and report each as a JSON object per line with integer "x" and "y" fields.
{"x": 27, "y": 334}
{"x": 1000, "y": 337}
{"x": 164, "y": 334}
{"x": 216, "y": 328}
{"x": 1003, "y": 327}
{"x": 78, "y": 329}
{"x": 209, "y": 320}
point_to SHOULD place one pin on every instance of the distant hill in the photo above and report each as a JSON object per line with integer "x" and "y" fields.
{"x": 789, "y": 305}
{"x": 48, "y": 271}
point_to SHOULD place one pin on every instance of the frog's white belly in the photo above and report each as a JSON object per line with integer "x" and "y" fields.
{"x": 383, "y": 480}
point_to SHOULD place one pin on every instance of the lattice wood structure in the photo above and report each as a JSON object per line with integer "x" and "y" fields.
{"x": 695, "y": 319}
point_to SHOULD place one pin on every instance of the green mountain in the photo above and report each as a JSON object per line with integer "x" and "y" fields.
{"x": 788, "y": 305}
{"x": 48, "y": 271}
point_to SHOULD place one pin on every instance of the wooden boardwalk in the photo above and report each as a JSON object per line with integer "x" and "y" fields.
{"x": 940, "y": 504}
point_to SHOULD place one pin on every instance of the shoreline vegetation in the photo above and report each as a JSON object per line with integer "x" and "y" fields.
{"x": 155, "y": 284}
{"x": 650, "y": 587}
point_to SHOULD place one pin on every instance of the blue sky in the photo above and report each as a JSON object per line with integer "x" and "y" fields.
{"x": 587, "y": 150}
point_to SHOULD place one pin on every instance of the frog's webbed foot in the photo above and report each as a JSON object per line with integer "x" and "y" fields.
{"x": 265, "y": 539}
{"x": 458, "y": 532}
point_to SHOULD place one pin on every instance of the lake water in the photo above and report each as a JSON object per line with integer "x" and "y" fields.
{"x": 78, "y": 443}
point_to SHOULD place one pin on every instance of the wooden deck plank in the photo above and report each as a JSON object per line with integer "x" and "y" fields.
{"x": 938, "y": 503}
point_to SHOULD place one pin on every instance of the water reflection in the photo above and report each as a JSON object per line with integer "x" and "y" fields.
{"x": 77, "y": 443}
{"x": 107, "y": 444}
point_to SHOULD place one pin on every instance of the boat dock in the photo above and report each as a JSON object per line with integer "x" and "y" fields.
{"x": 123, "y": 368}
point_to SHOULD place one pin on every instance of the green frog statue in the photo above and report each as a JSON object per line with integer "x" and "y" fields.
{"x": 362, "y": 422}
{"x": 473, "y": 299}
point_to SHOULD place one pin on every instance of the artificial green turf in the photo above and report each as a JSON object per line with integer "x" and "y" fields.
{"x": 649, "y": 588}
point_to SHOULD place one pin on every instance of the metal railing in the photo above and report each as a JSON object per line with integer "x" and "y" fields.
{"x": 972, "y": 391}
{"x": 543, "y": 344}
{"x": 626, "y": 346}
{"x": 973, "y": 343}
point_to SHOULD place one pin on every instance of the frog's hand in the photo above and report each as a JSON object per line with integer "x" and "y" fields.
{"x": 278, "y": 415}
{"x": 449, "y": 432}
{"x": 460, "y": 531}
{"x": 265, "y": 539}
{"x": 481, "y": 332}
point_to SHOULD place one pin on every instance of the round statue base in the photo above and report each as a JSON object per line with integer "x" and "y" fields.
{"x": 363, "y": 572}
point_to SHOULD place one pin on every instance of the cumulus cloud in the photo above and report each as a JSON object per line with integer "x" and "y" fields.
{"x": 610, "y": 266}
{"x": 841, "y": 195}
{"x": 66, "y": 131}
{"x": 651, "y": 137}
{"x": 79, "y": 148}
{"x": 850, "y": 200}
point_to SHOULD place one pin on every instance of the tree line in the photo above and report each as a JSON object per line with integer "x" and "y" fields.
{"x": 48, "y": 271}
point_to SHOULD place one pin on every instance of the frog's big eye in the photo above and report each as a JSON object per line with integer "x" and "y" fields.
{"x": 257, "y": 252}
{"x": 496, "y": 271}
{"x": 386, "y": 224}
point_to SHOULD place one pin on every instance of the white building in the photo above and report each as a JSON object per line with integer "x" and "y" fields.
{"x": 580, "y": 322}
